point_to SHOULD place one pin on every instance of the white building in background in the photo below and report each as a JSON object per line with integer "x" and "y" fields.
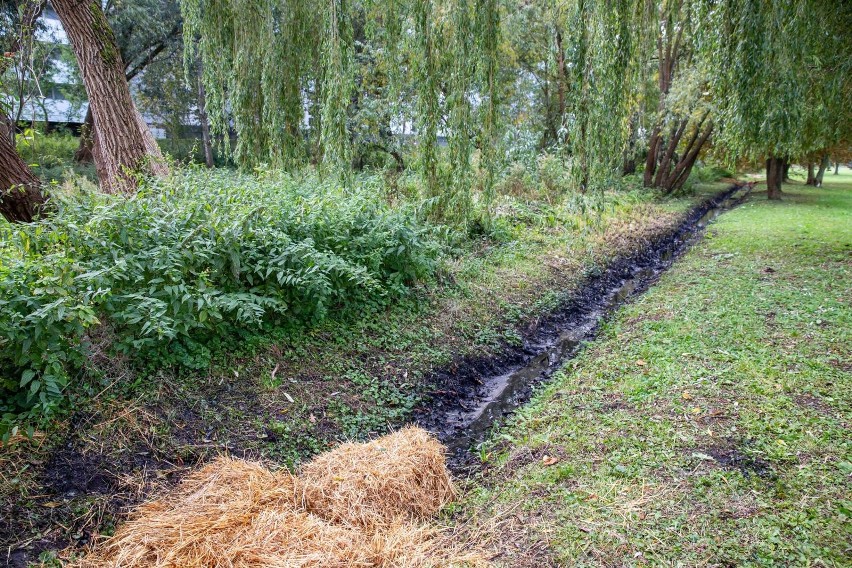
{"x": 50, "y": 105}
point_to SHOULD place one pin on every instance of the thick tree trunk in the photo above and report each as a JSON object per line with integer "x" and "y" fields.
{"x": 811, "y": 177}
{"x": 20, "y": 196}
{"x": 206, "y": 141}
{"x": 823, "y": 165}
{"x": 124, "y": 149}
{"x": 774, "y": 173}
{"x": 836, "y": 167}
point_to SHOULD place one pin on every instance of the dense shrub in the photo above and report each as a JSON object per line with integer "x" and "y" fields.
{"x": 188, "y": 260}
{"x": 51, "y": 156}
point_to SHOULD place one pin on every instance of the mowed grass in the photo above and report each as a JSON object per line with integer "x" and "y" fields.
{"x": 709, "y": 425}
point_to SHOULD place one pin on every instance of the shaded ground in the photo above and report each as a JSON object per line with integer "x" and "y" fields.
{"x": 285, "y": 396}
{"x": 709, "y": 424}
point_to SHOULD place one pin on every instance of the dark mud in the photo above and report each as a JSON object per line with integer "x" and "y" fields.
{"x": 473, "y": 395}
{"x": 734, "y": 457}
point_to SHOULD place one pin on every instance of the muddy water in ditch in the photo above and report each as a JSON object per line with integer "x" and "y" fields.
{"x": 470, "y": 399}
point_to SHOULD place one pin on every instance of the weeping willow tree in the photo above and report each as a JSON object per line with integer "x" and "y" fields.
{"x": 783, "y": 83}
{"x": 602, "y": 41}
{"x": 337, "y": 85}
{"x": 279, "y": 73}
{"x": 258, "y": 65}
{"x": 488, "y": 32}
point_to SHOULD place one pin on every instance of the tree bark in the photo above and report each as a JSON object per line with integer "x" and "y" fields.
{"x": 20, "y": 195}
{"x": 823, "y": 165}
{"x": 83, "y": 154}
{"x": 124, "y": 148}
{"x": 664, "y": 169}
{"x": 561, "y": 74}
{"x": 684, "y": 167}
{"x": 774, "y": 173}
{"x": 786, "y": 176}
{"x": 811, "y": 176}
{"x": 667, "y": 57}
{"x": 651, "y": 158}
{"x": 836, "y": 167}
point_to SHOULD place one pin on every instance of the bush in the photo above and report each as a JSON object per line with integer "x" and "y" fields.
{"x": 51, "y": 156}
{"x": 189, "y": 260}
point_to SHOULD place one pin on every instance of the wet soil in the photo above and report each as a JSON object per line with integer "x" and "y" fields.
{"x": 473, "y": 395}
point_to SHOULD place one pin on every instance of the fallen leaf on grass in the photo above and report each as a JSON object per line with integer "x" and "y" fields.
{"x": 549, "y": 460}
{"x": 641, "y": 363}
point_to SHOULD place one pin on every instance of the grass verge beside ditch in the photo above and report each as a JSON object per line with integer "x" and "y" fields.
{"x": 709, "y": 423}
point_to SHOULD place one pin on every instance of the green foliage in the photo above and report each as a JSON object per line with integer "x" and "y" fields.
{"x": 190, "y": 259}
{"x": 759, "y": 46}
{"x": 51, "y": 156}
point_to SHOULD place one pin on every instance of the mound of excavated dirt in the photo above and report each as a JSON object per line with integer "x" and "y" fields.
{"x": 358, "y": 505}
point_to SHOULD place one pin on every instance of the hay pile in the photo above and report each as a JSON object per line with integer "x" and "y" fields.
{"x": 358, "y": 505}
{"x": 401, "y": 477}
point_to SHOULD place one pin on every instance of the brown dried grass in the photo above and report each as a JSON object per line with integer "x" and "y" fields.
{"x": 238, "y": 514}
{"x": 399, "y": 477}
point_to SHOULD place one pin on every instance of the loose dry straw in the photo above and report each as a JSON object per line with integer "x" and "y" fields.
{"x": 358, "y": 505}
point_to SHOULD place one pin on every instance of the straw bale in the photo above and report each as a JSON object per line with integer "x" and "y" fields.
{"x": 196, "y": 523}
{"x": 401, "y": 476}
{"x": 354, "y": 508}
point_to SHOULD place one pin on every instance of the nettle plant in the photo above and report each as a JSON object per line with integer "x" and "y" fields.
{"x": 188, "y": 261}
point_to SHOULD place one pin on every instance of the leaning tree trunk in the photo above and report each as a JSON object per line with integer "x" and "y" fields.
{"x": 651, "y": 158}
{"x": 20, "y": 195}
{"x": 811, "y": 176}
{"x": 774, "y": 173}
{"x": 683, "y": 168}
{"x": 124, "y": 149}
{"x": 823, "y": 165}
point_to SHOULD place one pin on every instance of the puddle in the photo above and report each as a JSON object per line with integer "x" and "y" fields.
{"x": 474, "y": 395}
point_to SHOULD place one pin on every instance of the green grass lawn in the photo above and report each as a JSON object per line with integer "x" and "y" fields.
{"x": 709, "y": 425}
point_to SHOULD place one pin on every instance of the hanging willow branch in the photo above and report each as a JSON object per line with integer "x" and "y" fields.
{"x": 337, "y": 86}
{"x": 488, "y": 32}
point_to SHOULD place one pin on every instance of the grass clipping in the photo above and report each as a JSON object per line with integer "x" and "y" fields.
{"x": 357, "y": 505}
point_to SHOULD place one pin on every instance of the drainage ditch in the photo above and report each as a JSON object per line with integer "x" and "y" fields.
{"x": 472, "y": 396}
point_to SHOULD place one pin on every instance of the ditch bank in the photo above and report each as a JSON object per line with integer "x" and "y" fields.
{"x": 473, "y": 395}
{"x": 82, "y": 480}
